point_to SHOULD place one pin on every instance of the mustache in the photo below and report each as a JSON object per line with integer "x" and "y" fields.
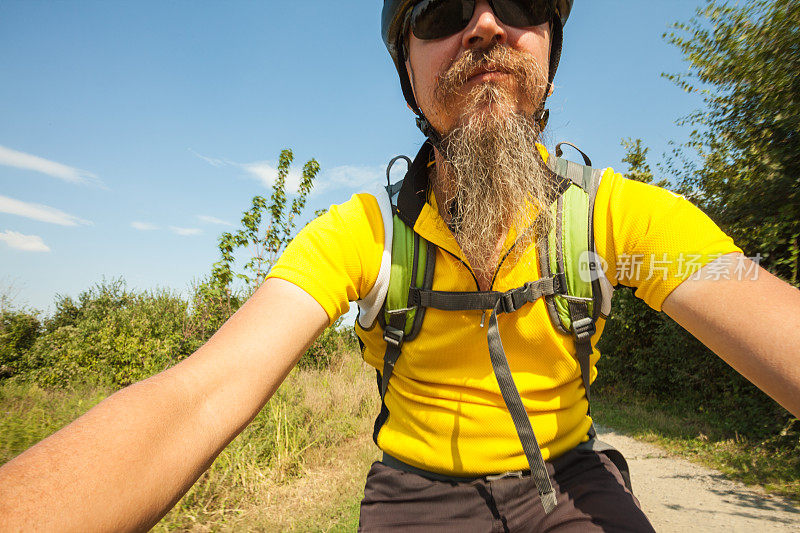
{"x": 496, "y": 58}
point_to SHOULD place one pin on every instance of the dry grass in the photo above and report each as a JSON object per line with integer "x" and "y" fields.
{"x": 324, "y": 498}
{"x": 300, "y": 466}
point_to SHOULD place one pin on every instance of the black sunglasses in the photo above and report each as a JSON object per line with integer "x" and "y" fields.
{"x": 434, "y": 19}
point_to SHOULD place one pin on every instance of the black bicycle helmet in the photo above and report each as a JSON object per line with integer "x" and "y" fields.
{"x": 393, "y": 20}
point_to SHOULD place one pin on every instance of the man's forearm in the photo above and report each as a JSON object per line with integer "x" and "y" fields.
{"x": 125, "y": 463}
{"x": 130, "y": 450}
{"x": 753, "y": 324}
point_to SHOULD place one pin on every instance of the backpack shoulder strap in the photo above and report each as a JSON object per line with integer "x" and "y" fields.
{"x": 569, "y": 250}
{"x": 400, "y": 251}
{"x": 411, "y": 264}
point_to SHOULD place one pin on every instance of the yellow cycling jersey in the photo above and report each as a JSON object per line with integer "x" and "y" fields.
{"x": 447, "y": 414}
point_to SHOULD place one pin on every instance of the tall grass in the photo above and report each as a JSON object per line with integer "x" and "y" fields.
{"x": 29, "y": 413}
{"x": 301, "y": 464}
{"x": 315, "y": 412}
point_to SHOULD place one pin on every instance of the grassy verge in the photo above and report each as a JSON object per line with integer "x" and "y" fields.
{"x": 299, "y": 466}
{"x": 29, "y": 413}
{"x": 773, "y": 463}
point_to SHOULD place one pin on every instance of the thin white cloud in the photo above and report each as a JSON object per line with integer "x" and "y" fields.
{"x": 263, "y": 171}
{"x": 42, "y": 213}
{"x": 143, "y": 226}
{"x": 27, "y": 243}
{"x": 351, "y": 177}
{"x": 214, "y": 220}
{"x": 186, "y": 232}
{"x": 356, "y": 177}
{"x": 13, "y": 158}
{"x": 213, "y": 160}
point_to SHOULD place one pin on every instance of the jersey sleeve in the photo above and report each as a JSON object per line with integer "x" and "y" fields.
{"x": 652, "y": 239}
{"x": 336, "y": 257}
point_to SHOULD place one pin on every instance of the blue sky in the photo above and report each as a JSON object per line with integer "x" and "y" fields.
{"x": 132, "y": 133}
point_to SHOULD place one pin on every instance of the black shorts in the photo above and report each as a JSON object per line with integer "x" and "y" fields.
{"x": 590, "y": 491}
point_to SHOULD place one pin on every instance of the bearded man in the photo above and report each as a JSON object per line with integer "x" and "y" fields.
{"x": 489, "y": 172}
{"x": 456, "y": 424}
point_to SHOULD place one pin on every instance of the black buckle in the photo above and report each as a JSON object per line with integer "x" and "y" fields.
{"x": 516, "y": 298}
{"x": 583, "y": 328}
{"x": 393, "y": 336}
{"x": 507, "y": 302}
{"x": 508, "y": 299}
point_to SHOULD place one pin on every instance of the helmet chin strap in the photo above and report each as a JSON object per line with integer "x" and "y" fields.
{"x": 542, "y": 117}
{"x": 423, "y": 123}
{"x": 429, "y": 131}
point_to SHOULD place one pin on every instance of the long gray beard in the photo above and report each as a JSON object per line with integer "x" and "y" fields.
{"x": 495, "y": 179}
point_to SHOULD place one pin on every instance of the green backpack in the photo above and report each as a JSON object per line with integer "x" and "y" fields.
{"x": 570, "y": 285}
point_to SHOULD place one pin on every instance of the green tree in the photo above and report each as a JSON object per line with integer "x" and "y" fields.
{"x": 638, "y": 167}
{"x": 67, "y": 313}
{"x": 741, "y": 165}
{"x": 742, "y": 162}
{"x": 18, "y": 331}
{"x": 636, "y": 158}
{"x": 210, "y": 305}
{"x": 265, "y": 236}
{"x": 266, "y": 230}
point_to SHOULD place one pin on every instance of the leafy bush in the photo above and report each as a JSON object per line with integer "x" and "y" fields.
{"x": 114, "y": 336}
{"x": 18, "y": 331}
{"x": 210, "y": 306}
{"x": 111, "y": 334}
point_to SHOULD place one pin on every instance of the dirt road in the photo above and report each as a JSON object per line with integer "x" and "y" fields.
{"x": 680, "y": 496}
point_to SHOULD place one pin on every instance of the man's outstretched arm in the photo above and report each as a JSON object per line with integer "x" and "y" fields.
{"x": 753, "y": 324}
{"x": 126, "y": 462}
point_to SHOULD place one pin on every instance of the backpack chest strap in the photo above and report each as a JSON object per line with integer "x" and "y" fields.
{"x": 500, "y": 302}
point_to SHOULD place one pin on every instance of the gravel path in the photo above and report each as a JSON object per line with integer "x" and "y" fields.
{"x": 681, "y": 496}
